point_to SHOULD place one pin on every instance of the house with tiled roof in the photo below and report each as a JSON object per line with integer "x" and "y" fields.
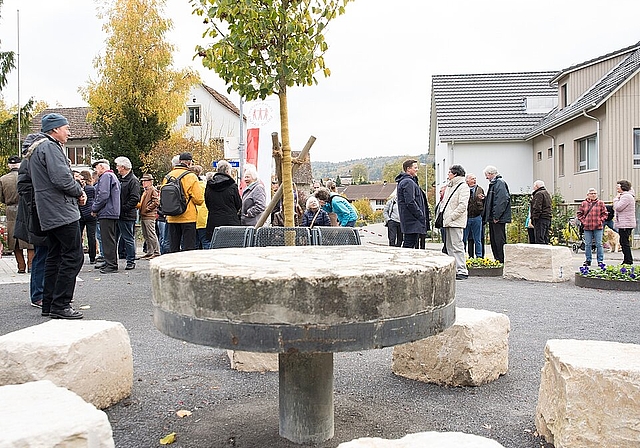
{"x": 483, "y": 119}
{"x": 592, "y": 137}
{"x": 208, "y": 117}
{"x": 574, "y": 129}
{"x": 376, "y": 194}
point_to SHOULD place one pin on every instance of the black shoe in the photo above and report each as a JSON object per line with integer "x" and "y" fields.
{"x": 99, "y": 265}
{"x": 37, "y": 304}
{"x": 106, "y": 270}
{"x": 461, "y": 277}
{"x": 92, "y": 261}
{"x": 67, "y": 313}
{"x": 130, "y": 266}
{"x": 44, "y": 313}
{"x": 99, "y": 258}
{"x": 586, "y": 263}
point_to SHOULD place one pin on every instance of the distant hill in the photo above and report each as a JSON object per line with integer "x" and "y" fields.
{"x": 324, "y": 170}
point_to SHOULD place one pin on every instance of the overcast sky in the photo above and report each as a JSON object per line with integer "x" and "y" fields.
{"x": 382, "y": 55}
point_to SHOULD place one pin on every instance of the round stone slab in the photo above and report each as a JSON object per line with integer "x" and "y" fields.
{"x": 303, "y": 298}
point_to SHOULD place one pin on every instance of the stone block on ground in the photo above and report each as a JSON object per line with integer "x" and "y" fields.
{"x": 41, "y": 414}
{"x": 473, "y": 351}
{"x": 538, "y": 262}
{"x": 590, "y": 394}
{"x": 92, "y": 358}
{"x": 425, "y": 439}
{"x": 253, "y": 362}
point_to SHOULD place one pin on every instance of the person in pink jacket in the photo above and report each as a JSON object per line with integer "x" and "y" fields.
{"x": 624, "y": 205}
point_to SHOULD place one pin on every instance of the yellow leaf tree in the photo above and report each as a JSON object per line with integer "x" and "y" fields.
{"x": 138, "y": 95}
{"x": 262, "y": 48}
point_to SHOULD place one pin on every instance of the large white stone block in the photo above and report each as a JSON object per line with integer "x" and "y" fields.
{"x": 253, "y": 362}
{"x": 538, "y": 262}
{"x": 92, "y": 358}
{"x": 473, "y": 351}
{"x": 425, "y": 439}
{"x": 40, "y": 414}
{"x": 590, "y": 394}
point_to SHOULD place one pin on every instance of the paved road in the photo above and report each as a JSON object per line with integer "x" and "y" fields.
{"x": 241, "y": 409}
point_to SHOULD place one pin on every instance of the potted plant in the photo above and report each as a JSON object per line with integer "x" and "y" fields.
{"x": 617, "y": 277}
{"x": 484, "y": 267}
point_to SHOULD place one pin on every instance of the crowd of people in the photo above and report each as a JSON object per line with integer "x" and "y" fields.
{"x": 463, "y": 211}
{"x": 50, "y": 207}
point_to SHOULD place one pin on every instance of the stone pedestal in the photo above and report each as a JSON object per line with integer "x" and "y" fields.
{"x": 589, "y": 394}
{"x": 41, "y": 414}
{"x": 424, "y": 440}
{"x": 303, "y": 304}
{"x": 89, "y": 357}
{"x": 538, "y": 262}
{"x": 473, "y": 351}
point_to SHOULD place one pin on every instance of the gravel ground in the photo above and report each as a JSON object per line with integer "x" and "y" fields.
{"x": 236, "y": 409}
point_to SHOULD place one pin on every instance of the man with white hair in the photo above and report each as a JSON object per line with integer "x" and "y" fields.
{"x": 541, "y": 212}
{"x": 129, "y": 198}
{"x": 497, "y": 211}
{"x": 106, "y": 207}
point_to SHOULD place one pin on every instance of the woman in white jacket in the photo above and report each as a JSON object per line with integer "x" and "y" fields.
{"x": 455, "y": 202}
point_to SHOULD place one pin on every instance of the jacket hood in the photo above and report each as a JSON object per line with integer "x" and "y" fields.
{"x": 220, "y": 181}
{"x": 30, "y": 140}
{"x": 401, "y": 176}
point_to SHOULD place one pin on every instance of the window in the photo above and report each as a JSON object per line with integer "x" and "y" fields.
{"x": 560, "y": 160}
{"x": 194, "y": 116}
{"x": 539, "y": 156}
{"x": 550, "y": 153}
{"x": 381, "y": 202}
{"x": 587, "y": 153}
{"x": 79, "y": 155}
{"x": 636, "y": 148}
{"x": 563, "y": 96}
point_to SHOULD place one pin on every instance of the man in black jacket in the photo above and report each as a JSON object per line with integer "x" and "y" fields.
{"x": 541, "y": 212}
{"x": 129, "y": 198}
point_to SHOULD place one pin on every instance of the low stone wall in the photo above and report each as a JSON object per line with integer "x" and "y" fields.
{"x": 589, "y": 394}
{"x": 92, "y": 358}
{"x": 425, "y": 439}
{"x": 41, "y": 414}
{"x": 473, "y": 351}
{"x": 538, "y": 262}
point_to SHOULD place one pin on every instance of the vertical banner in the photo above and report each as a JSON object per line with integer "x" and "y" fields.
{"x": 263, "y": 118}
{"x": 253, "y": 143}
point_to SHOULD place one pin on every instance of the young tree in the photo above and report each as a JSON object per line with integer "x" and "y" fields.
{"x": 359, "y": 174}
{"x": 264, "y": 47}
{"x": 138, "y": 95}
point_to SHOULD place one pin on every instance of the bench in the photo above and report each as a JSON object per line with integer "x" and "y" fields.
{"x": 538, "y": 262}
{"x": 473, "y": 351}
{"x": 589, "y": 394}
{"x": 92, "y": 358}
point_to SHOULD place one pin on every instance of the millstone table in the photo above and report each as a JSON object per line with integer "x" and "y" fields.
{"x": 304, "y": 303}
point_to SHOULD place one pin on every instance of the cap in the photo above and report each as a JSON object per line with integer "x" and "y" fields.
{"x": 186, "y": 156}
{"x": 52, "y": 121}
{"x": 93, "y": 165}
{"x": 146, "y": 177}
{"x": 14, "y": 159}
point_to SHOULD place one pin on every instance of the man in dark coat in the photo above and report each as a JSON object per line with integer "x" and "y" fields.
{"x": 497, "y": 211}
{"x": 222, "y": 198}
{"x": 57, "y": 195}
{"x": 411, "y": 204}
{"x": 129, "y": 198}
{"x": 541, "y": 212}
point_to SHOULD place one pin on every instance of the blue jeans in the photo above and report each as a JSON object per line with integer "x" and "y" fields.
{"x": 201, "y": 239}
{"x": 163, "y": 236}
{"x": 99, "y": 238}
{"x": 126, "y": 234}
{"x": 410, "y": 240}
{"x": 474, "y": 227}
{"x": 36, "y": 285}
{"x": 589, "y": 236}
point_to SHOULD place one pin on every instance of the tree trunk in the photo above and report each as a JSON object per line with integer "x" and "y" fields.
{"x": 287, "y": 178}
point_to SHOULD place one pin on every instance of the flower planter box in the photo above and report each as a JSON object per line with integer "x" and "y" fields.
{"x": 599, "y": 283}
{"x": 485, "y": 272}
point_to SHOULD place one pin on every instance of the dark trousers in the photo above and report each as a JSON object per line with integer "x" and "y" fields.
{"x": 185, "y": 232}
{"x": 108, "y": 235}
{"x": 410, "y": 240}
{"x": 38, "y": 266}
{"x": 64, "y": 261}
{"x": 91, "y": 237}
{"x": 394, "y": 233}
{"x": 498, "y": 236}
{"x": 625, "y": 245}
{"x": 541, "y": 228}
{"x": 126, "y": 229}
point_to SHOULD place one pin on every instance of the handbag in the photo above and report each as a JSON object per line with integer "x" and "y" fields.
{"x": 440, "y": 218}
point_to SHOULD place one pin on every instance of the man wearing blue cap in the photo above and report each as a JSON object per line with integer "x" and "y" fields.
{"x": 57, "y": 195}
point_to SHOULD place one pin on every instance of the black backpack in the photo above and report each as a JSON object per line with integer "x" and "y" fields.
{"x": 172, "y": 199}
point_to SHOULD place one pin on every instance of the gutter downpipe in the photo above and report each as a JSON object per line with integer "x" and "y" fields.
{"x": 553, "y": 150}
{"x": 584, "y": 112}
